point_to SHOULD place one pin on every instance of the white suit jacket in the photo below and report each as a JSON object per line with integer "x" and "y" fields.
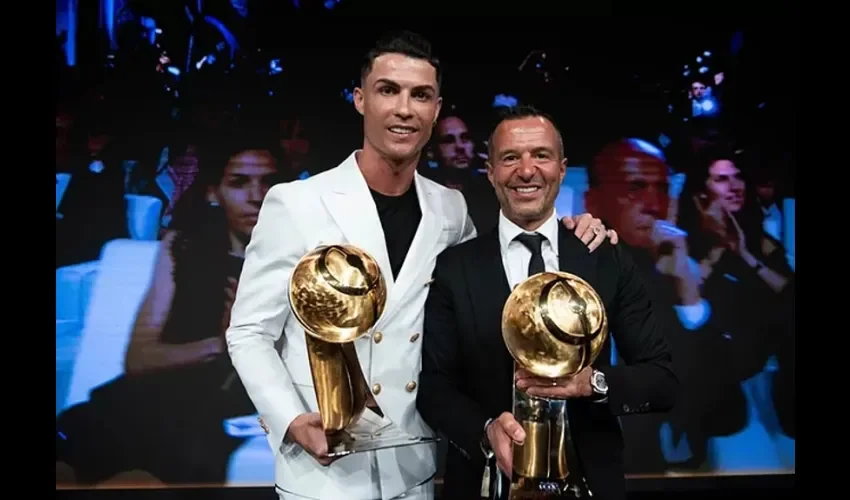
{"x": 336, "y": 207}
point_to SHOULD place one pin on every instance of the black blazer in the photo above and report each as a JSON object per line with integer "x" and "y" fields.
{"x": 467, "y": 373}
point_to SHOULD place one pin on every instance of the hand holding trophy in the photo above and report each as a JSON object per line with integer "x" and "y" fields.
{"x": 554, "y": 325}
{"x": 337, "y": 293}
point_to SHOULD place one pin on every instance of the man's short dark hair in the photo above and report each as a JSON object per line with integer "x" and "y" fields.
{"x": 402, "y": 42}
{"x": 518, "y": 113}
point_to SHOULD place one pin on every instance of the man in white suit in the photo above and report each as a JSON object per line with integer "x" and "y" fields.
{"x": 374, "y": 200}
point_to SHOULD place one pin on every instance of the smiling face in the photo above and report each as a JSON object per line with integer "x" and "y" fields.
{"x": 725, "y": 184}
{"x": 526, "y": 168}
{"x": 399, "y": 102}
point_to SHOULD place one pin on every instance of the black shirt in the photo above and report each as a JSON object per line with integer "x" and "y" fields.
{"x": 400, "y": 216}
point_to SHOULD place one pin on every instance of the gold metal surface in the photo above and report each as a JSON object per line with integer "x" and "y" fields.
{"x": 337, "y": 293}
{"x": 341, "y": 390}
{"x": 532, "y": 459}
{"x": 554, "y": 324}
{"x": 411, "y": 386}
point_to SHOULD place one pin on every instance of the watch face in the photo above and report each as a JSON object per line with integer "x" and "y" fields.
{"x": 599, "y": 381}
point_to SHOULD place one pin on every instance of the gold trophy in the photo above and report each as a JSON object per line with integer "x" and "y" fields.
{"x": 554, "y": 324}
{"x": 337, "y": 293}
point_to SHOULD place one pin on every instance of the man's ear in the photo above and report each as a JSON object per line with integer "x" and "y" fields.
{"x": 563, "y": 169}
{"x": 437, "y": 114}
{"x": 358, "y": 100}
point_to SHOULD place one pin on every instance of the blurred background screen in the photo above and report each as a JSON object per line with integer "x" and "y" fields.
{"x": 174, "y": 118}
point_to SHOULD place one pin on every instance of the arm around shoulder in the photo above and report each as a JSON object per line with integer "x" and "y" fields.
{"x": 647, "y": 381}
{"x": 260, "y": 312}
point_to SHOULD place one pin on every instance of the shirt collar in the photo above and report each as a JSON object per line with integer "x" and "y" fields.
{"x": 508, "y": 231}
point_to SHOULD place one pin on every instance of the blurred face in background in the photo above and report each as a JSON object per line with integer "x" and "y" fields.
{"x": 766, "y": 192}
{"x": 246, "y": 180}
{"x": 186, "y": 160}
{"x": 726, "y": 185}
{"x": 454, "y": 144}
{"x": 631, "y": 193}
{"x": 399, "y": 102}
{"x": 698, "y": 90}
{"x": 526, "y": 168}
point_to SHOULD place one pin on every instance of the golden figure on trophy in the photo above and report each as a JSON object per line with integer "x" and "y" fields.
{"x": 337, "y": 293}
{"x": 554, "y": 324}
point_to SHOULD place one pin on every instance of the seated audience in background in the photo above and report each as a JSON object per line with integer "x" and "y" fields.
{"x": 747, "y": 281}
{"x": 164, "y": 415}
{"x": 460, "y": 166}
{"x": 629, "y": 185}
{"x": 92, "y": 210}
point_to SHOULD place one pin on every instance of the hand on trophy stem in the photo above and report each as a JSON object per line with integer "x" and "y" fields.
{"x": 502, "y": 434}
{"x": 577, "y": 386}
{"x": 307, "y": 431}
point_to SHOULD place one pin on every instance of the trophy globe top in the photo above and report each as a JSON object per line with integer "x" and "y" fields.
{"x": 337, "y": 293}
{"x": 554, "y": 324}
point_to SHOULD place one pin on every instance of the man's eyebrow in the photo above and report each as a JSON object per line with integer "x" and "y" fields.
{"x": 543, "y": 149}
{"x": 387, "y": 81}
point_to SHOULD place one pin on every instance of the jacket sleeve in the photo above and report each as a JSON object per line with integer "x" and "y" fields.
{"x": 260, "y": 312}
{"x": 646, "y": 382}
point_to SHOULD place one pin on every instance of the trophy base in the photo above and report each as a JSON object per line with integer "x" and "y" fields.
{"x": 545, "y": 489}
{"x": 343, "y": 443}
{"x": 371, "y": 433}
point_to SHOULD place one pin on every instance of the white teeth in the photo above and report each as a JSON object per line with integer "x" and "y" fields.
{"x": 527, "y": 189}
{"x": 401, "y": 130}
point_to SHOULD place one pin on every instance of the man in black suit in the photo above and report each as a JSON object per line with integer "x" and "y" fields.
{"x": 467, "y": 377}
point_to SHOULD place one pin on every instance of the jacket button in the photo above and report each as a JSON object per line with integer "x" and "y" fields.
{"x": 626, "y": 409}
{"x": 376, "y": 389}
{"x": 378, "y": 337}
{"x": 414, "y": 337}
{"x": 411, "y": 386}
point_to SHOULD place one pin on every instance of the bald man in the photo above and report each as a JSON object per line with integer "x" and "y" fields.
{"x": 629, "y": 190}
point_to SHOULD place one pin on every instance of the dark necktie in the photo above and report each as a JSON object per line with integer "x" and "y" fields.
{"x": 533, "y": 242}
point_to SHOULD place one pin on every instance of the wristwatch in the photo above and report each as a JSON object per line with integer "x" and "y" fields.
{"x": 485, "y": 442}
{"x": 599, "y": 385}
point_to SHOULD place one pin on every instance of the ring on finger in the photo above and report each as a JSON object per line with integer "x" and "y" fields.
{"x": 597, "y": 229}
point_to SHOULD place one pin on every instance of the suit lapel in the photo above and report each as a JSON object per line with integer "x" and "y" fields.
{"x": 422, "y": 248}
{"x": 487, "y": 270}
{"x": 351, "y": 205}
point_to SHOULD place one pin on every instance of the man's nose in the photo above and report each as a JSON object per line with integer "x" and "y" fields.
{"x": 402, "y": 108}
{"x": 652, "y": 201}
{"x": 255, "y": 193}
{"x": 527, "y": 167}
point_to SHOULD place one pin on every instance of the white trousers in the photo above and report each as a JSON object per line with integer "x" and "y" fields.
{"x": 422, "y": 492}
